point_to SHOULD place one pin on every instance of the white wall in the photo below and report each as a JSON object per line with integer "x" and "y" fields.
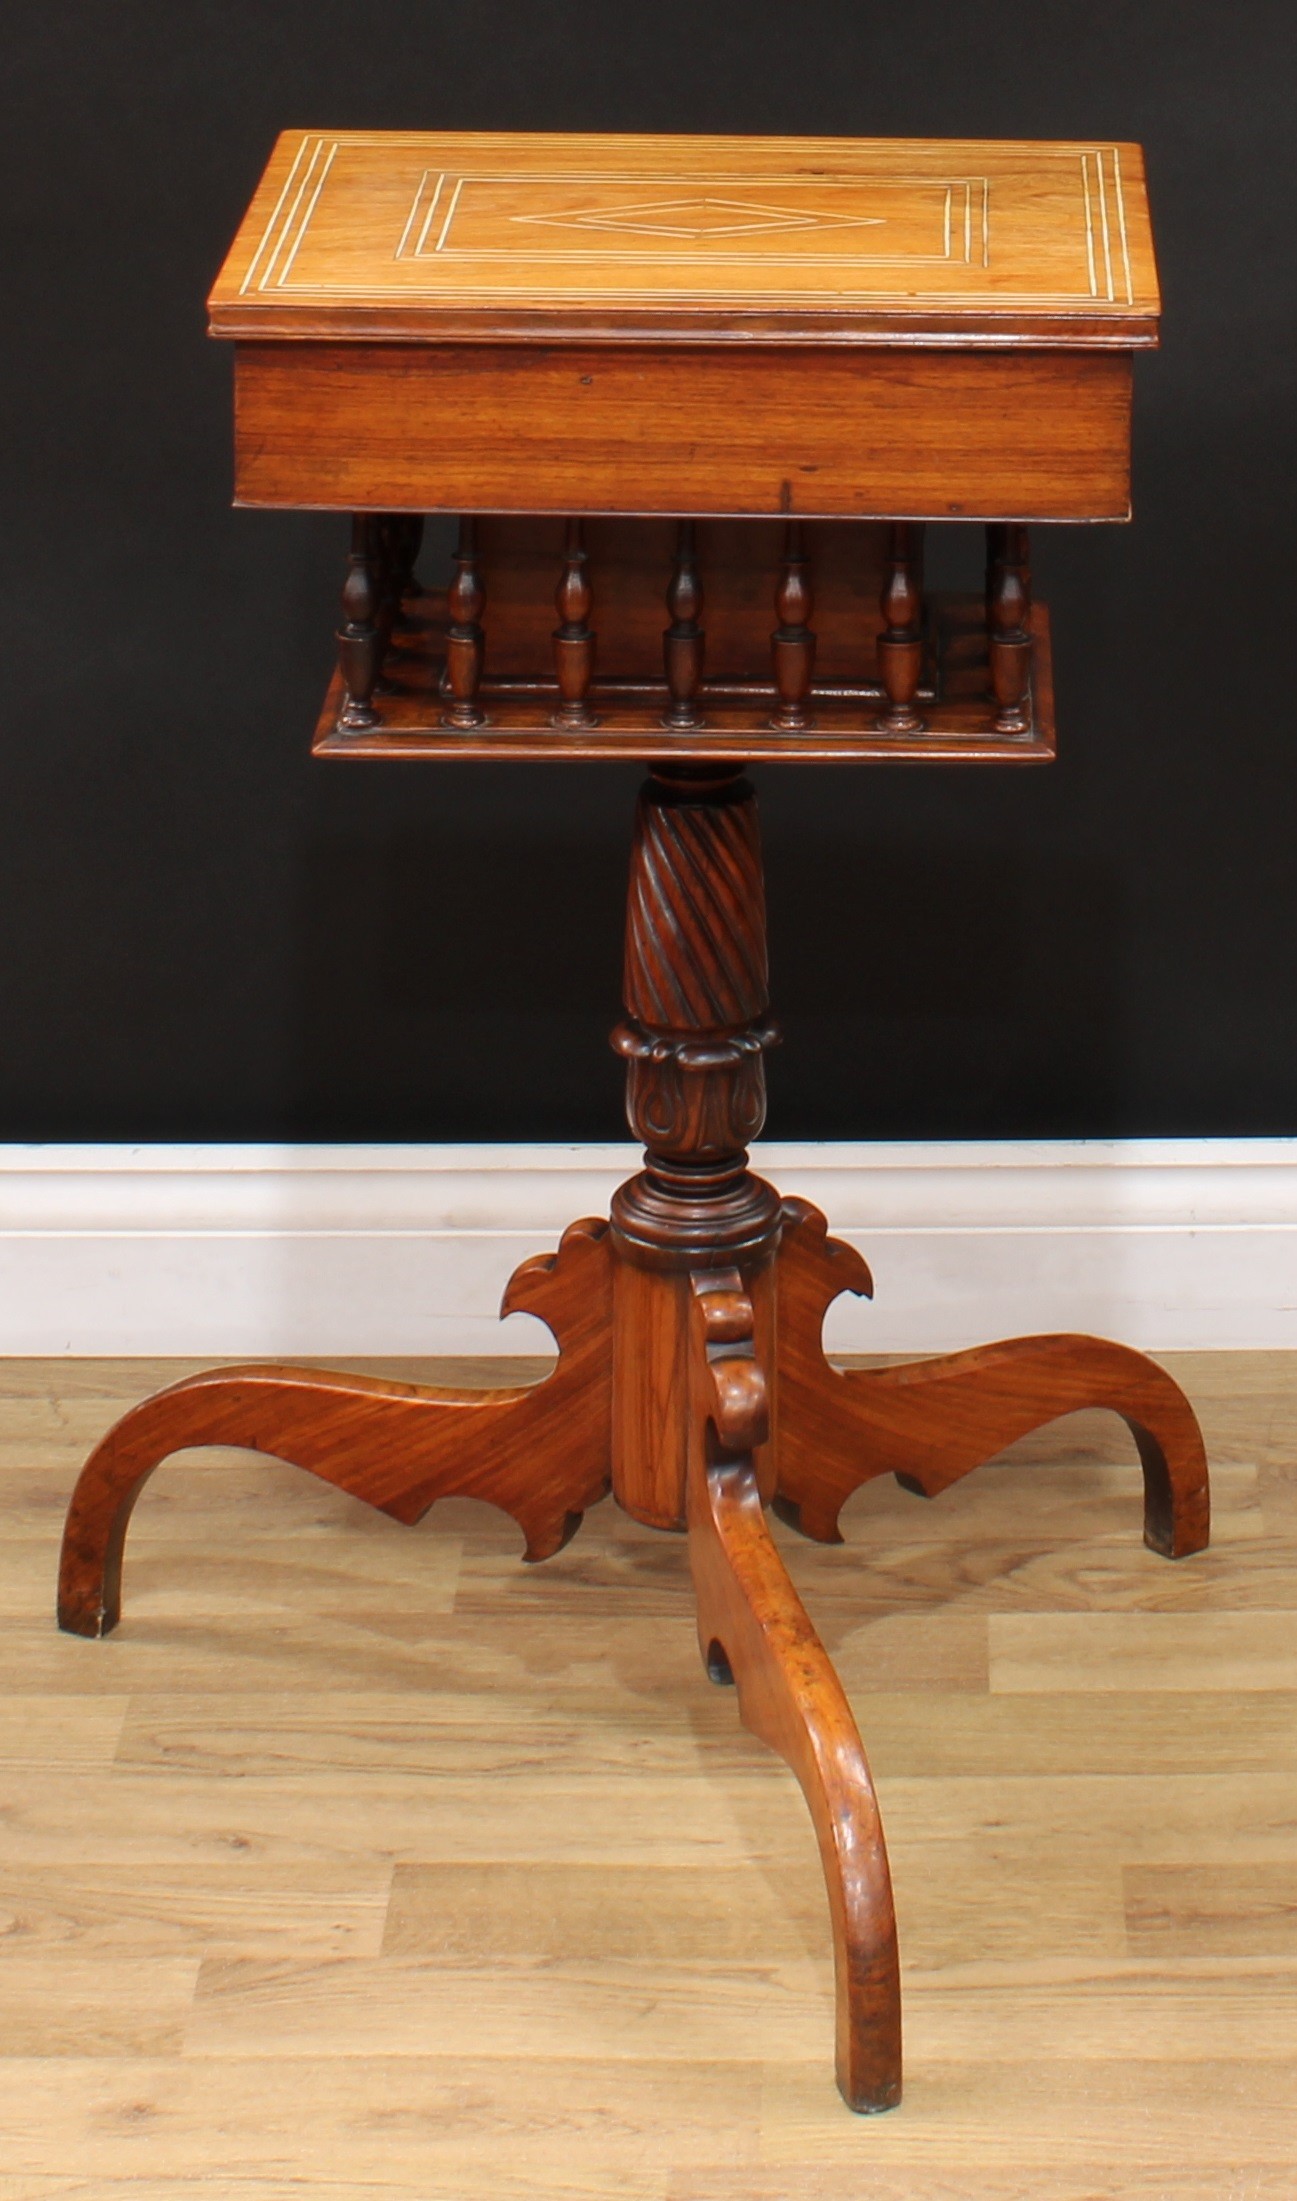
{"x": 358, "y": 1250}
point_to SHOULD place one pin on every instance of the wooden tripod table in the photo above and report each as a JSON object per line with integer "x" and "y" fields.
{"x": 746, "y": 370}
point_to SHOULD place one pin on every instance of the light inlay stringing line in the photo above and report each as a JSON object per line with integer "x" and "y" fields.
{"x": 1103, "y": 217}
{"x": 427, "y": 219}
{"x": 283, "y": 273}
{"x": 1121, "y": 225}
{"x": 1089, "y": 222}
{"x": 274, "y": 216}
{"x": 450, "y": 215}
{"x": 285, "y": 228}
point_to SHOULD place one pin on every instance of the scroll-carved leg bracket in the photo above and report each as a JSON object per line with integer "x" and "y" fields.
{"x": 753, "y": 1628}
{"x": 931, "y": 1422}
{"x": 541, "y": 1453}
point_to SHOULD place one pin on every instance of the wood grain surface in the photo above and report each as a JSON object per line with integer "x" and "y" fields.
{"x": 411, "y": 720}
{"x": 850, "y": 239}
{"x": 541, "y": 1453}
{"x": 365, "y": 1863}
{"x": 467, "y": 670}
{"x": 755, "y": 1633}
{"x": 930, "y": 1422}
{"x": 897, "y": 433}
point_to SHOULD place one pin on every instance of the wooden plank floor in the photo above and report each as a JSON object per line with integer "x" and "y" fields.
{"x": 365, "y": 1862}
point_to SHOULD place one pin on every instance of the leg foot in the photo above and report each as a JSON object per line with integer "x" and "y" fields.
{"x": 931, "y": 1422}
{"x": 540, "y": 1453}
{"x": 753, "y": 1629}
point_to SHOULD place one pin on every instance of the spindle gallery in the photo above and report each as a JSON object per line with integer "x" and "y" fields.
{"x": 688, "y": 407}
{"x": 846, "y": 658}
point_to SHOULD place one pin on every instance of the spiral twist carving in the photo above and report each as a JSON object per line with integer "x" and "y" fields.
{"x": 697, "y": 1026}
{"x": 696, "y": 916}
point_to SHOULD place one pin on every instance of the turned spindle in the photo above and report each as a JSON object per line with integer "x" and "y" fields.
{"x": 1008, "y": 625}
{"x": 360, "y": 641}
{"x": 465, "y": 642}
{"x": 900, "y": 643}
{"x": 682, "y": 644}
{"x": 573, "y": 637}
{"x": 793, "y": 644}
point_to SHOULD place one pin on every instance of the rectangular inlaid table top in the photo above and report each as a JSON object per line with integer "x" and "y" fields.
{"x": 430, "y": 235}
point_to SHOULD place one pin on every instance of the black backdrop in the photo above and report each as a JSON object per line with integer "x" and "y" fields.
{"x": 206, "y": 935}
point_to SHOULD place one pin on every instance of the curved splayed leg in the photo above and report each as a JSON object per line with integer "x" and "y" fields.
{"x": 931, "y": 1422}
{"x": 753, "y": 1629}
{"x": 540, "y": 1452}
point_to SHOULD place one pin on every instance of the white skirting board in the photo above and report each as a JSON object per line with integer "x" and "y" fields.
{"x": 359, "y": 1250}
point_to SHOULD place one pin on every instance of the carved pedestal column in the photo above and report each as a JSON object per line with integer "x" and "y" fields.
{"x": 694, "y": 1040}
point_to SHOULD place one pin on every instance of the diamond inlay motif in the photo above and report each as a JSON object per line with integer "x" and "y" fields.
{"x": 874, "y": 233}
{"x": 692, "y": 218}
